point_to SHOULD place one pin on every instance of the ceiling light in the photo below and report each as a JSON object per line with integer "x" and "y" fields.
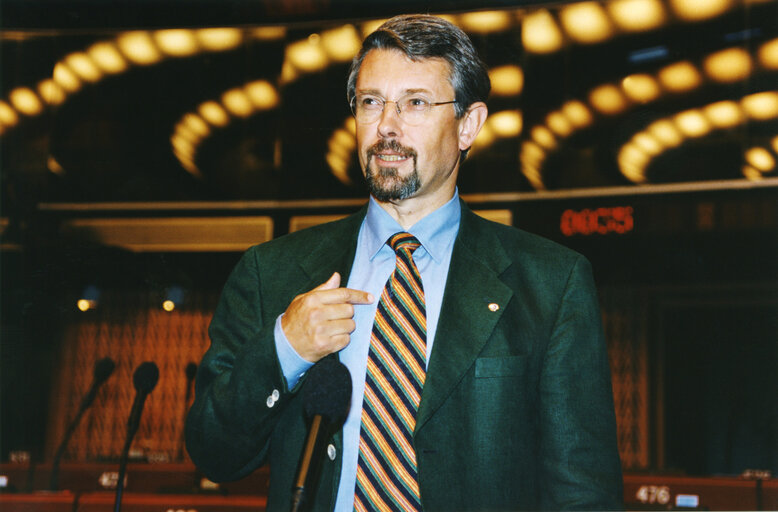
{"x": 692, "y": 123}
{"x": 54, "y": 166}
{"x": 237, "y": 102}
{"x": 637, "y": 15}
{"x": 507, "y": 123}
{"x": 761, "y": 159}
{"x": 178, "y": 42}
{"x": 641, "y": 87}
{"x": 540, "y": 33}
{"x": 751, "y": 173}
{"x": 50, "y": 92}
{"x": 724, "y": 114}
{"x": 586, "y": 22}
{"x": 24, "y": 100}
{"x": 608, "y": 99}
{"x": 182, "y": 130}
{"x": 729, "y": 65}
{"x": 768, "y": 54}
{"x": 507, "y": 80}
{"x": 543, "y": 136}
{"x": 578, "y": 114}
{"x": 762, "y": 105}
{"x": 306, "y": 56}
{"x": 262, "y": 94}
{"x": 214, "y": 113}
{"x": 485, "y": 22}
{"x": 532, "y": 174}
{"x": 693, "y": 10}
{"x": 484, "y": 139}
{"x": 632, "y": 163}
{"x": 219, "y": 39}
{"x": 269, "y": 33}
{"x": 666, "y": 133}
{"x": 83, "y": 66}
{"x": 341, "y": 145}
{"x": 8, "y": 116}
{"x": 182, "y": 145}
{"x": 680, "y": 77}
{"x": 559, "y": 124}
{"x": 138, "y": 47}
{"x": 532, "y": 153}
{"x": 107, "y": 57}
{"x": 196, "y": 124}
{"x": 647, "y": 143}
{"x": 65, "y": 77}
{"x": 90, "y": 298}
{"x": 341, "y": 44}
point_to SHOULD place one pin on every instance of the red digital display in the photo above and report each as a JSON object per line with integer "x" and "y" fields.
{"x": 600, "y": 221}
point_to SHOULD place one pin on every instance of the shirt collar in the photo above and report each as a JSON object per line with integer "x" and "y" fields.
{"x": 436, "y": 231}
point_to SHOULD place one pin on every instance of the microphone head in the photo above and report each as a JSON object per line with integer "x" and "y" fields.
{"x": 145, "y": 377}
{"x": 327, "y": 390}
{"x": 191, "y": 371}
{"x": 103, "y": 369}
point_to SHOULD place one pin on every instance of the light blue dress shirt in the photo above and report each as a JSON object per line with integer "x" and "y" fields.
{"x": 373, "y": 263}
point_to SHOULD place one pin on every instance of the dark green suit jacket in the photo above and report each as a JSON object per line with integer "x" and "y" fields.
{"x": 516, "y": 411}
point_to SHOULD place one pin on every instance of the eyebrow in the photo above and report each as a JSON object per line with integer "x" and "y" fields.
{"x": 376, "y": 92}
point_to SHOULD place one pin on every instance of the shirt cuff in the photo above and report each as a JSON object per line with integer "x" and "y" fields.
{"x": 292, "y": 364}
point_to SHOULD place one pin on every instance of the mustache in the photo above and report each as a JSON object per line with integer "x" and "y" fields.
{"x": 392, "y": 145}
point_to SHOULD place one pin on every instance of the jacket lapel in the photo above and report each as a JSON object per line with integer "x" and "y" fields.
{"x": 468, "y": 315}
{"x": 334, "y": 251}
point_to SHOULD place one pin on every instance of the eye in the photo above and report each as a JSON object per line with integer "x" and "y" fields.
{"x": 371, "y": 103}
{"x": 416, "y": 103}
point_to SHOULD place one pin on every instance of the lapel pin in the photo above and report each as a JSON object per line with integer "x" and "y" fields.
{"x": 493, "y": 306}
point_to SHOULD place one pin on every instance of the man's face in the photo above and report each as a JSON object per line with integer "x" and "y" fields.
{"x": 400, "y": 160}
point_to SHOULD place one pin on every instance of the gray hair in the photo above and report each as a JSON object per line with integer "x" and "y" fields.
{"x": 424, "y": 37}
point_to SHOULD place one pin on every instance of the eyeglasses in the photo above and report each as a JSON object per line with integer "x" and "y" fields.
{"x": 412, "y": 108}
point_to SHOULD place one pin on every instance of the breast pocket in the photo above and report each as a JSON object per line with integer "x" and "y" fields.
{"x": 511, "y": 366}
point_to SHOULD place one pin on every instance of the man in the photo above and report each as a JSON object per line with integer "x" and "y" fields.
{"x": 507, "y": 404}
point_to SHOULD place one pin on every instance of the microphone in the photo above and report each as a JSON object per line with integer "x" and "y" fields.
{"x": 103, "y": 369}
{"x": 326, "y": 397}
{"x": 191, "y": 371}
{"x": 144, "y": 379}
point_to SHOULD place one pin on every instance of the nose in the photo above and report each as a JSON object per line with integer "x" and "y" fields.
{"x": 390, "y": 124}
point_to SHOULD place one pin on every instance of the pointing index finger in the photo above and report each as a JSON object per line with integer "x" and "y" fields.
{"x": 348, "y": 296}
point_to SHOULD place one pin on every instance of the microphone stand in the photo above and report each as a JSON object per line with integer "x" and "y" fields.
{"x": 53, "y": 480}
{"x": 123, "y": 471}
{"x": 298, "y": 497}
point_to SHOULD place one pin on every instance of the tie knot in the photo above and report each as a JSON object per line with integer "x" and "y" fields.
{"x": 404, "y": 241}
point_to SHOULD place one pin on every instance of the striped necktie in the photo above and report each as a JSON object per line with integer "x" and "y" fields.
{"x": 386, "y": 472}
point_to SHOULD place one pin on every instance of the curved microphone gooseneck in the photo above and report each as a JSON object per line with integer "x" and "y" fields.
{"x": 103, "y": 369}
{"x": 326, "y": 397}
{"x": 144, "y": 379}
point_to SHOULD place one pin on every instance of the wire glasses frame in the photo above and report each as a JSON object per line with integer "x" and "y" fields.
{"x": 412, "y": 109}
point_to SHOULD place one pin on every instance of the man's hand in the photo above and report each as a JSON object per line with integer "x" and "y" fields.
{"x": 320, "y": 322}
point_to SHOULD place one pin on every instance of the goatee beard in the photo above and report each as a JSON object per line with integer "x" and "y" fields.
{"x": 385, "y": 183}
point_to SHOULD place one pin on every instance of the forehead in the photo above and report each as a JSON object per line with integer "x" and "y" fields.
{"x": 391, "y": 72}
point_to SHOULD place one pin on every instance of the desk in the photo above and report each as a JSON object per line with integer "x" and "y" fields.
{"x": 136, "y": 502}
{"x": 61, "y": 501}
{"x": 715, "y": 493}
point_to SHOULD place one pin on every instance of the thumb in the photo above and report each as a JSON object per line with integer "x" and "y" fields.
{"x": 331, "y": 283}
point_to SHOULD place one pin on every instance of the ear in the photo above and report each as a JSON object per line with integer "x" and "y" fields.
{"x": 471, "y": 124}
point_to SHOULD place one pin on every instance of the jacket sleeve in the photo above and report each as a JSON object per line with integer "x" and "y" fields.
{"x": 578, "y": 453}
{"x": 240, "y": 391}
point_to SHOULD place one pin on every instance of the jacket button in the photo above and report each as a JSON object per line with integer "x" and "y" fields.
{"x": 276, "y": 395}
{"x": 331, "y": 451}
{"x": 270, "y": 402}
